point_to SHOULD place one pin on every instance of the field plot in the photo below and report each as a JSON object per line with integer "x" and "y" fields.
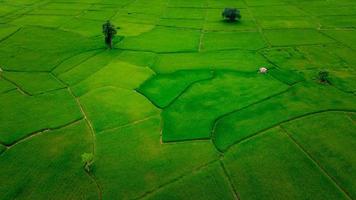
{"x": 178, "y": 109}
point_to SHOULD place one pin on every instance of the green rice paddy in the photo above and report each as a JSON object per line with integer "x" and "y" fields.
{"x": 177, "y": 110}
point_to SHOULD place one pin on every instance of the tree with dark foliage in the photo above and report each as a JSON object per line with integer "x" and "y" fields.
{"x": 231, "y": 14}
{"x": 109, "y": 31}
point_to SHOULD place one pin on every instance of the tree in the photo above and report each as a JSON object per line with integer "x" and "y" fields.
{"x": 109, "y": 31}
{"x": 88, "y": 160}
{"x": 324, "y": 76}
{"x": 231, "y": 14}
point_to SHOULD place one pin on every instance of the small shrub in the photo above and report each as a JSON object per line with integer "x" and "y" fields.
{"x": 88, "y": 160}
{"x": 231, "y": 14}
{"x": 323, "y": 76}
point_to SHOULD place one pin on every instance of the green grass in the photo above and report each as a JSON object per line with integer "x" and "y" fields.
{"x": 328, "y": 138}
{"x": 38, "y": 20}
{"x": 278, "y": 11}
{"x": 304, "y": 58}
{"x": 5, "y": 85}
{"x": 222, "y": 3}
{"x": 72, "y": 62}
{"x": 163, "y": 40}
{"x": 276, "y": 22}
{"x": 44, "y": 57}
{"x": 120, "y": 170}
{"x": 146, "y": 59}
{"x": 34, "y": 112}
{"x": 209, "y": 183}
{"x": 2, "y": 148}
{"x": 109, "y": 107}
{"x": 346, "y": 37}
{"x": 285, "y": 37}
{"x": 300, "y": 100}
{"x": 232, "y": 40}
{"x": 193, "y": 114}
{"x": 34, "y": 83}
{"x": 7, "y": 31}
{"x": 85, "y": 69}
{"x": 117, "y": 74}
{"x": 164, "y": 88}
{"x": 181, "y": 23}
{"x": 286, "y": 76}
{"x": 177, "y": 110}
{"x": 236, "y": 60}
{"x": 185, "y": 13}
{"x": 37, "y": 168}
{"x": 277, "y": 168}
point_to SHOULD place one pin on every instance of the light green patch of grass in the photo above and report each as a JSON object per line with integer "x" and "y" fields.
{"x": 65, "y": 12}
{"x": 223, "y": 3}
{"x": 138, "y": 58}
{"x": 184, "y": 13}
{"x": 117, "y": 74}
{"x": 181, "y": 23}
{"x": 232, "y": 40}
{"x": 221, "y": 25}
{"x": 85, "y": 27}
{"x": 48, "y": 166}
{"x": 147, "y": 7}
{"x": 287, "y": 22}
{"x": 34, "y": 83}
{"x": 307, "y": 57}
{"x": 128, "y": 16}
{"x": 38, "y": 20}
{"x": 143, "y": 164}
{"x": 300, "y": 100}
{"x": 49, "y": 110}
{"x": 291, "y": 37}
{"x": 132, "y": 29}
{"x": 327, "y": 9}
{"x": 262, "y": 3}
{"x": 329, "y": 138}
{"x": 187, "y": 4}
{"x": 209, "y": 183}
{"x": 232, "y": 60}
{"x": 275, "y": 167}
{"x": 70, "y": 63}
{"x": 162, "y": 89}
{"x": 66, "y": 6}
{"x": 163, "y": 40}
{"x": 111, "y": 107}
{"x": 98, "y": 14}
{"x": 88, "y": 67}
{"x": 193, "y": 114}
{"x": 277, "y": 11}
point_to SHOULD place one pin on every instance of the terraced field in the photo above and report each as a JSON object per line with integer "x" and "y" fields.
{"x": 178, "y": 110}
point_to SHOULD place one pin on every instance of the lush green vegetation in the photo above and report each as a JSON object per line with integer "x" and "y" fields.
{"x": 177, "y": 108}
